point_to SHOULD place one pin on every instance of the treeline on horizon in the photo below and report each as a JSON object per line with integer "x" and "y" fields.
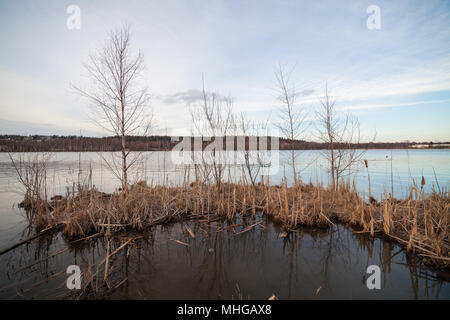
{"x": 54, "y": 143}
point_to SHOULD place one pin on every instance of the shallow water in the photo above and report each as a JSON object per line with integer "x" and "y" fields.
{"x": 218, "y": 265}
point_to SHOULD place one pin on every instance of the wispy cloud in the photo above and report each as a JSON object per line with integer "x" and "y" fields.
{"x": 393, "y": 105}
{"x": 189, "y": 96}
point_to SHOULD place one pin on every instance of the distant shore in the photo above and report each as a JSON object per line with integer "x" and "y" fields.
{"x": 40, "y": 143}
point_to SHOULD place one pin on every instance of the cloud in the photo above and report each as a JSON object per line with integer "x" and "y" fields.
{"x": 392, "y": 105}
{"x": 41, "y": 106}
{"x": 190, "y": 96}
{"x": 307, "y": 92}
{"x": 42, "y": 128}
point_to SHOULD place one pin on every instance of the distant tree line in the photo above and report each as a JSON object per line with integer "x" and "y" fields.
{"x": 55, "y": 143}
{"x": 38, "y": 143}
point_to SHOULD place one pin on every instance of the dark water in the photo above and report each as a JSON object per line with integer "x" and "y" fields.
{"x": 222, "y": 264}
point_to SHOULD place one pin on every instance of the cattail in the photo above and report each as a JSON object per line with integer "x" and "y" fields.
{"x": 234, "y": 201}
{"x": 371, "y": 225}
{"x": 254, "y": 205}
{"x": 386, "y": 218}
{"x": 363, "y": 222}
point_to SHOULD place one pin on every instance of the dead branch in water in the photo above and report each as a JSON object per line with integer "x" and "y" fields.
{"x": 54, "y": 254}
{"x": 248, "y": 228}
{"x": 180, "y": 242}
{"x": 43, "y": 232}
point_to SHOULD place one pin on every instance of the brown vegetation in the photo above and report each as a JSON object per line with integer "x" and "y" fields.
{"x": 419, "y": 223}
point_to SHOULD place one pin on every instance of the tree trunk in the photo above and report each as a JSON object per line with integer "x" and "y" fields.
{"x": 333, "y": 176}
{"x": 293, "y": 162}
{"x": 124, "y": 154}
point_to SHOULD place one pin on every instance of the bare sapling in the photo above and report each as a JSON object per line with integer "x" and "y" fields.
{"x": 119, "y": 101}
{"x": 31, "y": 171}
{"x": 341, "y": 132}
{"x": 213, "y": 119}
{"x": 252, "y": 146}
{"x": 292, "y": 124}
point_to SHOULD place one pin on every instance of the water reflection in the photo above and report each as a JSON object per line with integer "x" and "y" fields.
{"x": 308, "y": 264}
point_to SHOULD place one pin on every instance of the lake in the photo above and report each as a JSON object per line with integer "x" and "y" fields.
{"x": 220, "y": 263}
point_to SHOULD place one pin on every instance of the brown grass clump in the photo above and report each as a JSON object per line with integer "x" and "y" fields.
{"x": 419, "y": 223}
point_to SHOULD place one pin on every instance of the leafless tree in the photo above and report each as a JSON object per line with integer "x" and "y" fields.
{"x": 31, "y": 170}
{"x": 341, "y": 132}
{"x": 213, "y": 119}
{"x": 292, "y": 116}
{"x": 119, "y": 101}
{"x": 251, "y": 133}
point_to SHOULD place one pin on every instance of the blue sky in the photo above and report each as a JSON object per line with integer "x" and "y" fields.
{"x": 395, "y": 79}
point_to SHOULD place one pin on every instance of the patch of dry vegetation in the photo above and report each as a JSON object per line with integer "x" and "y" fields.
{"x": 420, "y": 223}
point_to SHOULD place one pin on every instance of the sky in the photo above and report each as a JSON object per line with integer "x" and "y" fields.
{"x": 395, "y": 79}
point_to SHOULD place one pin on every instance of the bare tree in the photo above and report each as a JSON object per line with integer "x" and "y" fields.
{"x": 213, "y": 118}
{"x": 251, "y": 133}
{"x": 341, "y": 132}
{"x": 292, "y": 116}
{"x": 31, "y": 169}
{"x": 119, "y": 101}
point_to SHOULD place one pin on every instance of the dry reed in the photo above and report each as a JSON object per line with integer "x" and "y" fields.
{"x": 420, "y": 223}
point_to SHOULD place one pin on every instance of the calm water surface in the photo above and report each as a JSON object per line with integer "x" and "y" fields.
{"x": 220, "y": 263}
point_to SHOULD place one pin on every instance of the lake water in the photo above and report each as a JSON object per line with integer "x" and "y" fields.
{"x": 222, "y": 264}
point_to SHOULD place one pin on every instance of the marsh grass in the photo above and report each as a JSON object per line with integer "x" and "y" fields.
{"x": 420, "y": 223}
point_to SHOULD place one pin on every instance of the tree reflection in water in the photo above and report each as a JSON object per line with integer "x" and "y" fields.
{"x": 307, "y": 264}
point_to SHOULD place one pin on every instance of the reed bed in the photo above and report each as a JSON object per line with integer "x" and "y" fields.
{"x": 419, "y": 223}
